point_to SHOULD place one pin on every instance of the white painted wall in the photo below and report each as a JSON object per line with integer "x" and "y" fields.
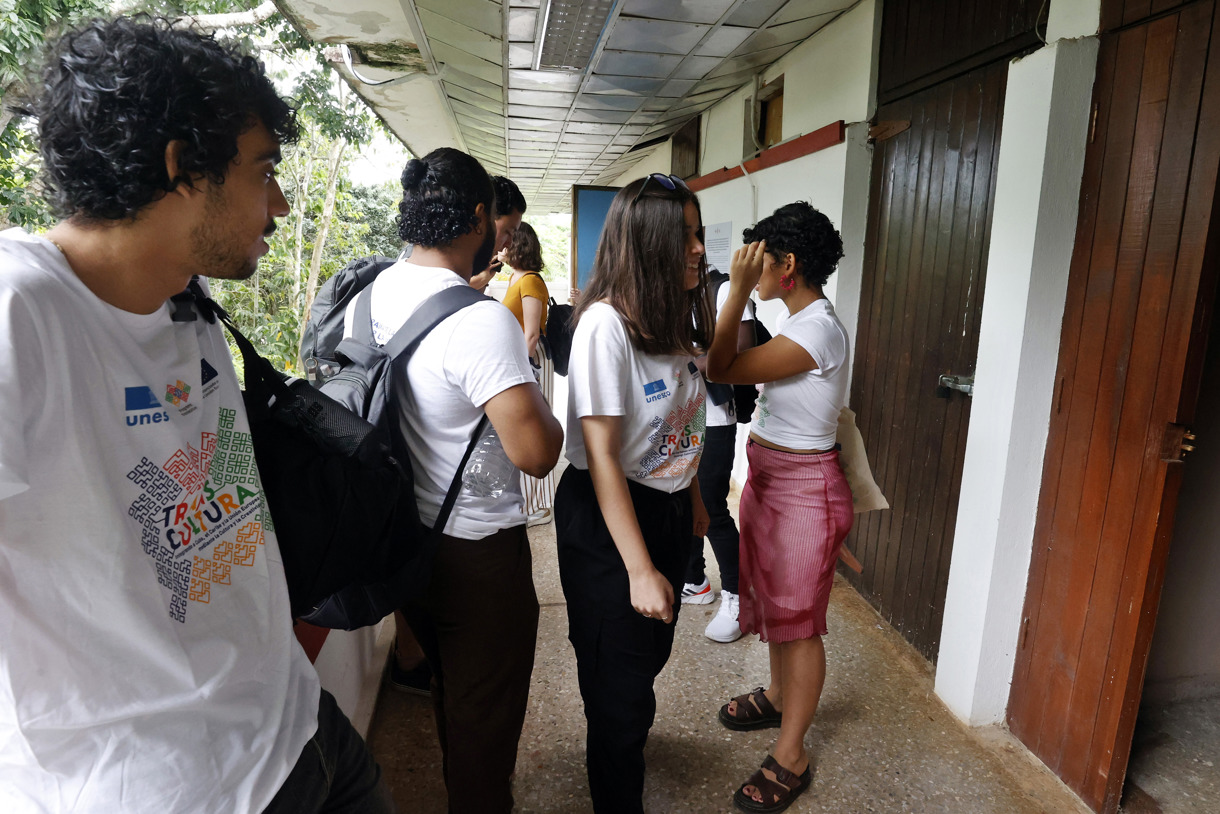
{"x": 828, "y": 78}
{"x": 660, "y": 159}
{"x": 1045, "y": 127}
{"x": 1185, "y": 658}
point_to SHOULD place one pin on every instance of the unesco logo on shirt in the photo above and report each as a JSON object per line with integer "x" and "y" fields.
{"x": 655, "y": 391}
{"x": 143, "y": 407}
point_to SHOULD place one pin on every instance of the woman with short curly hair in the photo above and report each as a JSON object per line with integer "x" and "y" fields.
{"x": 796, "y": 507}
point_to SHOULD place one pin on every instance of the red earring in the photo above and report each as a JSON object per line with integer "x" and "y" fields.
{"x": 788, "y": 282}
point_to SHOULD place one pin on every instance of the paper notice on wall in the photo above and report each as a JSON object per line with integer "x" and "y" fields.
{"x": 718, "y": 243}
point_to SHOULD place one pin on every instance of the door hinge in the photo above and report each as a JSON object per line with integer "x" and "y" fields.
{"x": 1176, "y": 443}
{"x": 1093, "y": 123}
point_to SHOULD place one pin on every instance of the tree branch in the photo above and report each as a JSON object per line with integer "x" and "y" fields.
{"x": 208, "y": 23}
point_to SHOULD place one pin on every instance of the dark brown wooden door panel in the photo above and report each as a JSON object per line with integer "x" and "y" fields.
{"x": 925, "y": 265}
{"x": 1107, "y": 500}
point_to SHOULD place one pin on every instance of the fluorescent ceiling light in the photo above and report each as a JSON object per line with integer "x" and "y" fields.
{"x": 570, "y": 31}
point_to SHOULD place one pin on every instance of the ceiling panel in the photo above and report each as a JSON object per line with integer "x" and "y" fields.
{"x": 690, "y": 11}
{"x": 520, "y": 55}
{"x": 755, "y": 13}
{"x": 541, "y": 98}
{"x": 607, "y": 101}
{"x": 809, "y": 8}
{"x": 623, "y": 85}
{"x": 634, "y": 63}
{"x": 467, "y": 63}
{"x": 545, "y": 80}
{"x": 655, "y": 36}
{"x": 519, "y": 123}
{"x": 657, "y": 64}
{"x": 476, "y": 98}
{"x": 521, "y": 24}
{"x": 724, "y": 41}
{"x": 696, "y": 67}
{"x": 481, "y": 15}
{"x": 788, "y": 34}
{"x": 442, "y": 29}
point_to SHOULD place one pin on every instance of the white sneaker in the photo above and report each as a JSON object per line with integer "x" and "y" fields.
{"x": 538, "y": 518}
{"x": 700, "y": 594}
{"x": 724, "y": 627}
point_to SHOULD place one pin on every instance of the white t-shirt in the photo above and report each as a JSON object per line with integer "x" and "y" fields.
{"x": 147, "y": 660}
{"x": 725, "y": 415}
{"x": 458, "y": 367}
{"x": 661, "y": 399}
{"x": 802, "y": 411}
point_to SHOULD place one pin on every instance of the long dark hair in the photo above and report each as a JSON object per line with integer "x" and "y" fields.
{"x": 640, "y": 268}
{"x": 525, "y": 252}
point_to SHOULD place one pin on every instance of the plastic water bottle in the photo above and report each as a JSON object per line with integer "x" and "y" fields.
{"x": 489, "y": 471}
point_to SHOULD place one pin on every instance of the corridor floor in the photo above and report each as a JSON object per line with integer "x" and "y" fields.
{"x": 881, "y": 741}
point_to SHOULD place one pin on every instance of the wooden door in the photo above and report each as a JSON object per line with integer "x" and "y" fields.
{"x": 1134, "y": 333}
{"x": 924, "y": 270}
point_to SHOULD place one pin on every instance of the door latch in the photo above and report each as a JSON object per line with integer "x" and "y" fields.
{"x": 947, "y": 384}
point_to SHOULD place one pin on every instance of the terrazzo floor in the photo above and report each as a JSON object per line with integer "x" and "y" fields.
{"x": 882, "y": 741}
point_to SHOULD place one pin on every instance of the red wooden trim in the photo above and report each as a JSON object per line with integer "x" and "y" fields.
{"x": 820, "y": 139}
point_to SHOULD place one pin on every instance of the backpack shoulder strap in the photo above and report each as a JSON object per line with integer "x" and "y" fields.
{"x": 362, "y": 320}
{"x": 432, "y": 312}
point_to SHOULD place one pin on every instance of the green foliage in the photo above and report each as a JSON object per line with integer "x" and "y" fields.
{"x": 555, "y": 236}
{"x": 268, "y": 306}
{"x": 19, "y": 164}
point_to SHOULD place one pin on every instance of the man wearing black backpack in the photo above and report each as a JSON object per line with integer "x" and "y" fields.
{"x": 478, "y": 621}
{"x": 147, "y": 658}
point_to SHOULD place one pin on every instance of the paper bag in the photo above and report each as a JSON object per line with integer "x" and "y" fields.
{"x": 865, "y": 494}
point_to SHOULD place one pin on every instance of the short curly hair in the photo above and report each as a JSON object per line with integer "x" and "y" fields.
{"x": 508, "y": 196}
{"x": 525, "y": 252}
{"x": 803, "y": 231}
{"x": 439, "y": 194}
{"x": 116, "y": 92}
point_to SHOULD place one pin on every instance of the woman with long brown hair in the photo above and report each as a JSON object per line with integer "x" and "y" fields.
{"x": 627, "y": 505}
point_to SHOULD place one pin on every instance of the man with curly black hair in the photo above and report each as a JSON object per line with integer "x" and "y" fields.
{"x": 510, "y": 209}
{"x": 147, "y": 660}
{"x": 479, "y": 620}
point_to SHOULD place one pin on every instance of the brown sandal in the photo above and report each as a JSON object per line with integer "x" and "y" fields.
{"x": 781, "y": 792}
{"x": 754, "y": 711}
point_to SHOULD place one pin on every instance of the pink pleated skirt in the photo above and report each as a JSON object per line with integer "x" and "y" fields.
{"x": 795, "y": 513}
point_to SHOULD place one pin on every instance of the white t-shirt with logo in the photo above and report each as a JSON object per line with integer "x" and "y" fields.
{"x": 725, "y": 415}
{"x": 662, "y": 400}
{"x": 147, "y": 660}
{"x": 802, "y": 411}
{"x": 476, "y": 354}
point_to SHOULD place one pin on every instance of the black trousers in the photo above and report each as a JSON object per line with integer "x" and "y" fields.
{"x": 618, "y": 652}
{"x": 478, "y": 627}
{"x": 715, "y": 469}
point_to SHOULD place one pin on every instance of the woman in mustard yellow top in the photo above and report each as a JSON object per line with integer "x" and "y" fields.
{"x": 527, "y": 293}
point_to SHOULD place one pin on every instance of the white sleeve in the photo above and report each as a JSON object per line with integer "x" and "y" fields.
{"x": 487, "y": 355}
{"x": 22, "y": 387}
{"x": 722, "y": 296}
{"x": 599, "y": 367}
{"x": 820, "y": 340}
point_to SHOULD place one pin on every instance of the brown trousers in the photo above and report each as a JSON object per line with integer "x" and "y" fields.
{"x": 478, "y": 627}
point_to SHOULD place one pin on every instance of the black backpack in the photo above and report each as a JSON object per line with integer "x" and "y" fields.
{"x": 559, "y": 335}
{"x": 341, "y": 499}
{"x": 365, "y": 384}
{"x": 744, "y": 395}
{"x": 324, "y": 329}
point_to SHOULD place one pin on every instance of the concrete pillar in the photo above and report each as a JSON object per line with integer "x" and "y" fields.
{"x": 1045, "y": 129}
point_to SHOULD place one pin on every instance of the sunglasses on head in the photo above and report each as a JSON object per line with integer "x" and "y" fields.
{"x": 671, "y": 182}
